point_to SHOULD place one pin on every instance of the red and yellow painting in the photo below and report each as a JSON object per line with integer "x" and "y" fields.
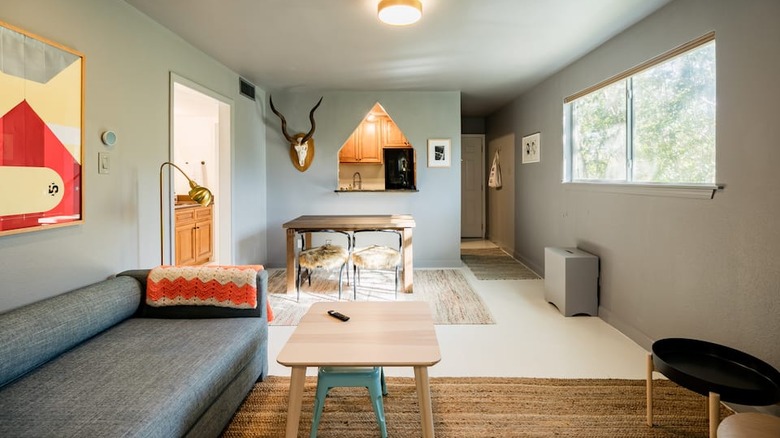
{"x": 41, "y": 132}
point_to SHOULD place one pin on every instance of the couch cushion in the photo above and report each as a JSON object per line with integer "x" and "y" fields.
{"x": 33, "y": 334}
{"x": 144, "y": 377}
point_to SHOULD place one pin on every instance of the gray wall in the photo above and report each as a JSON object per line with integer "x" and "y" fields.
{"x": 128, "y": 63}
{"x": 420, "y": 115}
{"x": 670, "y": 267}
{"x": 501, "y": 201}
{"x": 472, "y": 125}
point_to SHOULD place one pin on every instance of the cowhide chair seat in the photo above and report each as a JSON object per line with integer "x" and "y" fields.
{"x": 376, "y": 257}
{"x": 323, "y": 257}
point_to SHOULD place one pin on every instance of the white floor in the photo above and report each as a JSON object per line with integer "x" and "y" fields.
{"x": 530, "y": 339}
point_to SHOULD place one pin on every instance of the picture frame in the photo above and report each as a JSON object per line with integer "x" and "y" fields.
{"x": 41, "y": 132}
{"x": 532, "y": 148}
{"x": 439, "y": 152}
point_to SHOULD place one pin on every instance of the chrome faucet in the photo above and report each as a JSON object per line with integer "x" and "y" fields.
{"x": 359, "y": 184}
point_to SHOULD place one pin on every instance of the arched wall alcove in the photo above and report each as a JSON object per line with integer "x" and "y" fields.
{"x": 377, "y": 156}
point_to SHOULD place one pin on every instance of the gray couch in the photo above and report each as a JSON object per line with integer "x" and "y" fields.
{"x": 88, "y": 363}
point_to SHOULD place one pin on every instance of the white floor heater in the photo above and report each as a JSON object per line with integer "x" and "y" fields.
{"x": 571, "y": 278}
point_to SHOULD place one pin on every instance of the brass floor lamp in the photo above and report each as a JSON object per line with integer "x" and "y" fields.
{"x": 199, "y": 194}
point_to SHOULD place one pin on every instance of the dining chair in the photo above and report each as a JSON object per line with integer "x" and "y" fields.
{"x": 375, "y": 257}
{"x": 325, "y": 257}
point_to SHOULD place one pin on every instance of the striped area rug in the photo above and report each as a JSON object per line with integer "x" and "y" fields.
{"x": 452, "y": 299}
{"x": 495, "y": 264}
{"x": 484, "y": 407}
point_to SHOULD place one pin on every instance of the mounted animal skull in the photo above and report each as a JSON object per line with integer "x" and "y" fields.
{"x": 301, "y": 145}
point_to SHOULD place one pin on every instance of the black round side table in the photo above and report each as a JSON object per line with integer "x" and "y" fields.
{"x": 712, "y": 370}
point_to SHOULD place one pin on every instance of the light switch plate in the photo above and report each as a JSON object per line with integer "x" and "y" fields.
{"x": 532, "y": 148}
{"x": 104, "y": 162}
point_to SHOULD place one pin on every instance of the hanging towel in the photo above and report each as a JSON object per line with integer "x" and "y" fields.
{"x": 495, "y": 173}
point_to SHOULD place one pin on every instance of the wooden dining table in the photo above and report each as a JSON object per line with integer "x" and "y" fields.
{"x": 401, "y": 222}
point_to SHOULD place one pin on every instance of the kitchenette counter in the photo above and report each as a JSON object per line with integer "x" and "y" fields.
{"x": 180, "y": 205}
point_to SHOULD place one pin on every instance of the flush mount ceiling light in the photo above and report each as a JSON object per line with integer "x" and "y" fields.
{"x": 399, "y": 12}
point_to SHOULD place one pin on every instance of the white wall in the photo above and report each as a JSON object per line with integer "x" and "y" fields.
{"x": 672, "y": 267}
{"x": 420, "y": 115}
{"x": 195, "y": 151}
{"x": 128, "y": 63}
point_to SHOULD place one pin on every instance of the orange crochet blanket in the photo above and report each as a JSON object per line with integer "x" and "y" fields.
{"x": 223, "y": 286}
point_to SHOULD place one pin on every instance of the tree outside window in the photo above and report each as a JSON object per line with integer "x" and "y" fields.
{"x": 654, "y": 126}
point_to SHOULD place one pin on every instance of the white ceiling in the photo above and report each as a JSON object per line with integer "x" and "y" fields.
{"x": 490, "y": 50}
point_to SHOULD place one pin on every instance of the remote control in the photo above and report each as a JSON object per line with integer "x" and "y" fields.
{"x": 338, "y": 315}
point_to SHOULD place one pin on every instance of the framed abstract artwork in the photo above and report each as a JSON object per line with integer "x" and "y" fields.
{"x": 41, "y": 132}
{"x": 439, "y": 152}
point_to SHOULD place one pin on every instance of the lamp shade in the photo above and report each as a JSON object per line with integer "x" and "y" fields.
{"x": 200, "y": 194}
{"x": 399, "y": 12}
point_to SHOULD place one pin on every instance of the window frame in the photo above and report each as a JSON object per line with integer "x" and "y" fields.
{"x": 689, "y": 190}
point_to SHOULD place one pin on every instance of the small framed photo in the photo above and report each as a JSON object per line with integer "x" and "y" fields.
{"x": 439, "y": 152}
{"x": 532, "y": 148}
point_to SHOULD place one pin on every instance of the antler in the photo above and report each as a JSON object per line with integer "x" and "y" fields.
{"x": 284, "y": 122}
{"x": 313, "y": 125}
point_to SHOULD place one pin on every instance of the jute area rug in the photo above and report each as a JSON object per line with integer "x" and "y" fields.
{"x": 450, "y": 295}
{"x": 495, "y": 264}
{"x": 484, "y": 407}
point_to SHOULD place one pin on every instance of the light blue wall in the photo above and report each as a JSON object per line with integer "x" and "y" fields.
{"x": 128, "y": 63}
{"x": 672, "y": 267}
{"x": 249, "y": 181}
{"x": 420, "y": 115}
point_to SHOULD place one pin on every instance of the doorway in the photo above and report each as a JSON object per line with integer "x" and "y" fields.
{"x": 201, "y": 137}
{"x": 472, "y": 186}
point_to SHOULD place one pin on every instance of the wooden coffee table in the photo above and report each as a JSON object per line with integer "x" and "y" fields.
{"x": 394, "y": 334}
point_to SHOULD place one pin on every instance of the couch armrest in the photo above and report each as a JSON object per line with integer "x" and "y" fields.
{"x": 32, "y": 335}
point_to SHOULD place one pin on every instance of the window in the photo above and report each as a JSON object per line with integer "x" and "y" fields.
{"x": 652, "y": 124}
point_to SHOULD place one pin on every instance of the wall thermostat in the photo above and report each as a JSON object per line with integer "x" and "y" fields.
{"x": 108, "y": 138}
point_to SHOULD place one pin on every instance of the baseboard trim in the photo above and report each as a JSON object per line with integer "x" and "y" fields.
{"x": 628, "y": 330}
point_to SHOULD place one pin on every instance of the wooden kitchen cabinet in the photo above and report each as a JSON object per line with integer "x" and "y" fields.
{"x": 348, "y": 152}
{"x": 194, "y": 228}
{"x": 364, "y": 146}
{"x": 393, "y": 137}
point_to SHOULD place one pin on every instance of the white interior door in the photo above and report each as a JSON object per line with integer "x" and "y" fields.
{"x": 472, "y": 186}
